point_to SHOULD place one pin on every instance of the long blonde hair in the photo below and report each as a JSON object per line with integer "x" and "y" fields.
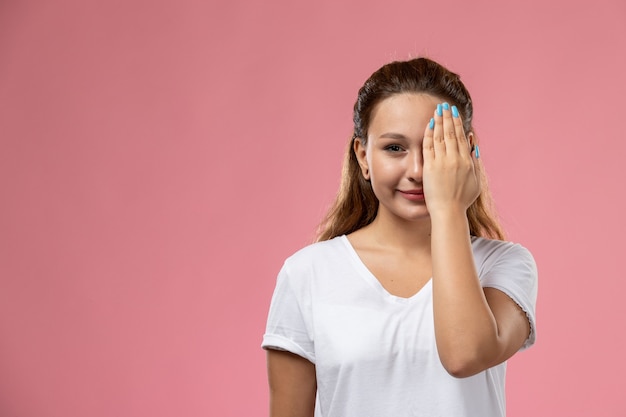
{"x": 356, "y": 205}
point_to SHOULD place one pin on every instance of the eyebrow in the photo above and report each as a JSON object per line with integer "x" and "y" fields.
{"x": 393, "y": 135}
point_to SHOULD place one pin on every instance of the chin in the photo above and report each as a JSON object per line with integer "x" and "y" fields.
{"x": 418, "y": 218}
{"x": 413, "y": 216}
{"x": 404, "y": 212}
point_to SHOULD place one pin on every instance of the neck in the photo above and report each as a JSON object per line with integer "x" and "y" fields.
{"x": 392, "y": 231}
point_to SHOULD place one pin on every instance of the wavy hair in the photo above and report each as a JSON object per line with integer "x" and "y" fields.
{"x": 356, "y": 205}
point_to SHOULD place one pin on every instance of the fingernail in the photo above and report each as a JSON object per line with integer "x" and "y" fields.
{"x": 439, "y": 112}
{"x": 476, "y": 151}
{"x": 446, "y": 106}
{"x": 431, "y": 124}
{"x": 455, "y": 111}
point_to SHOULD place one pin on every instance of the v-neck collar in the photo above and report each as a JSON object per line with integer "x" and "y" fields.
{"x": 375, "y": 283}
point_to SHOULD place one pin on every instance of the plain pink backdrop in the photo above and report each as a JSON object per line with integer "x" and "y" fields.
{"x": 160, "y": 159}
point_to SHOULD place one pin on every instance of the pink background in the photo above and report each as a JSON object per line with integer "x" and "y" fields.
{"x": 160, "y": 159}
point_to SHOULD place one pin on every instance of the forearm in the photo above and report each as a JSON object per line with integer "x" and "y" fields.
{"x": 465, "y": 327}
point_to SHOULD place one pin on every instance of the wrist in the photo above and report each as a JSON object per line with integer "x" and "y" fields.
{"x": 448, "y": 212}
{"x": 451, "y": 218}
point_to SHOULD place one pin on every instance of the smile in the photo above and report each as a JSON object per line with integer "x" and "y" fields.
{"x": 413, "y": 195}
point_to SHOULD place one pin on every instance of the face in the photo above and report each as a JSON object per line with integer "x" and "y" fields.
{"x": 392, "y": 156}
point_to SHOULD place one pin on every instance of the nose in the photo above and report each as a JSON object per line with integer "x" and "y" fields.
{"x": 415, "y": 165}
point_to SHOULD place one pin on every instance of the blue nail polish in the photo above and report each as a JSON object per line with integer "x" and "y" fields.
{"x": 476, "y": 152}
{"x": 431, "y": 124}
{"x": 446, "y": 106}
{"x": 455, "y": 111}
{"x": 439, "y": 112}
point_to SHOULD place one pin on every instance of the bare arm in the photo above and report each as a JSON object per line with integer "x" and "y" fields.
{"x": 475, "y": 329}
{"x": 292, "y": 385}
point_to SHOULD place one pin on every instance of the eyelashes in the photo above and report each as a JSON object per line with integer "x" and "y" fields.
{"x": 394, "y": 148}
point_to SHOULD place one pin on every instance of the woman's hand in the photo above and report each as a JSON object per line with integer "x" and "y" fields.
{"x": 450, "y": 178}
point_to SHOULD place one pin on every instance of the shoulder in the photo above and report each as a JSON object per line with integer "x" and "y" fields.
{"x": 504, "y": 263}
{"x": 317, "y": 252}
{"x": 489, "y": 251}
{"x": 507, "y": 266}
{"x": 314, "y": 267}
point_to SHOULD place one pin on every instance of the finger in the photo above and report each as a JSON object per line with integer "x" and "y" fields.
{"x": 476, "y": 151}
{"x": 464, "y": 141}
{"x": 428, "y": 148}
{"x": 479, "y": 172}
{"x": 439, "y": 143}
{"x": 449, "y": 130}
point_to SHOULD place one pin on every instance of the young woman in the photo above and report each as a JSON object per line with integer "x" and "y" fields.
{"x": 411, "y": 302}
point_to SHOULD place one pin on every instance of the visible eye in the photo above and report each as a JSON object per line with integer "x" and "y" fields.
{"x": 394, "y": 148}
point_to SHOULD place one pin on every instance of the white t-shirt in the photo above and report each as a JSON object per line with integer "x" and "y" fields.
{"x": 375, "y": 354}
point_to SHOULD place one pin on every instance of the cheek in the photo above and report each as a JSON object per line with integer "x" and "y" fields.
{"x": 384, "y": 170}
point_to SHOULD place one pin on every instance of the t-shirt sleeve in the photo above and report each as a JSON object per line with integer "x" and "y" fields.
{"x": 512, "y": 270}
{"x": 289, "y": 321}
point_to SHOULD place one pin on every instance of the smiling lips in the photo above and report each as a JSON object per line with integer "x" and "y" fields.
{"x": 413, "y": 195}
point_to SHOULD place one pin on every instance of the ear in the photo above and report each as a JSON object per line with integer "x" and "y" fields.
{"x": 360, "y": 150}
{"x": 472, "y": 140}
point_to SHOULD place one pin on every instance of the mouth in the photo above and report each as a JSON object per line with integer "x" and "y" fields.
{"x": 414, "y": 195}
